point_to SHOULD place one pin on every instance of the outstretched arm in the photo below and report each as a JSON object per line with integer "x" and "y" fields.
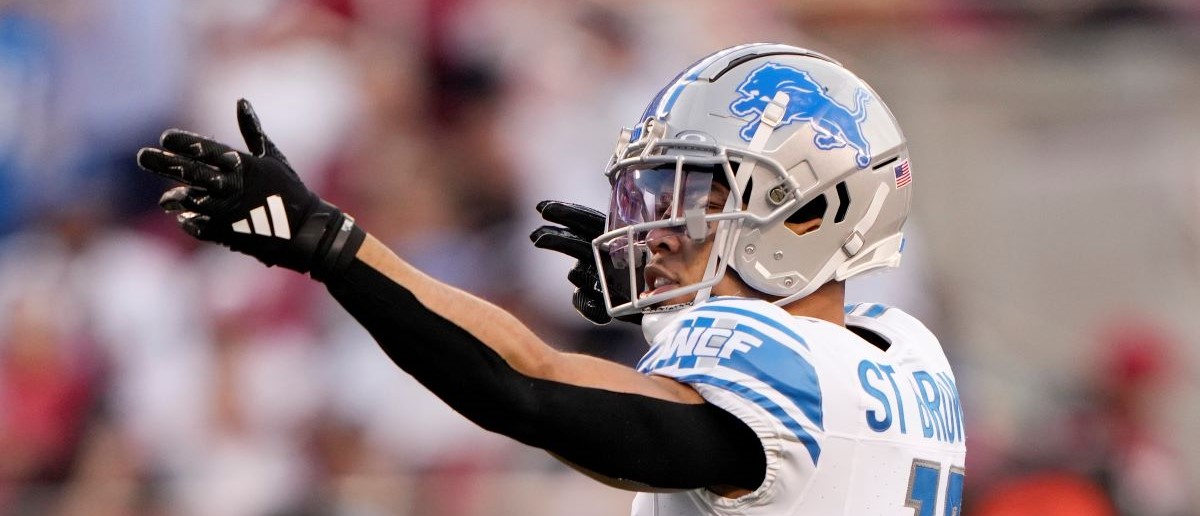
{"x": 627, "y": 429}
{"x": 623, "y": 427}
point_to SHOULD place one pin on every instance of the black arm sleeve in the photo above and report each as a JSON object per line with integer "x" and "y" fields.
{"x": 629, "y": 437}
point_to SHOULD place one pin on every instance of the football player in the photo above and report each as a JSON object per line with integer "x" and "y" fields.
{"x": 754, "y": 185}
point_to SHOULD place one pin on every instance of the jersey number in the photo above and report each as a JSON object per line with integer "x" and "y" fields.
{"x": 923, "y": 489}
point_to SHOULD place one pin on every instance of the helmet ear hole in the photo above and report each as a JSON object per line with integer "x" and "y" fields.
{"x": 815, "y": 209}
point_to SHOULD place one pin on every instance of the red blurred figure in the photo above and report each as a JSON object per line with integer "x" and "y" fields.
{"x": 1046, "y": 494}
{"x": 1138, "y": 467}
{"x": 46, "y": 389}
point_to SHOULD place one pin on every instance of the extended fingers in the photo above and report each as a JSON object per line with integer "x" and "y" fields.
{"x": 583, "y": 221}
{"x": 183, "y": 198}
{"x": 182, "y": 169}
{"x": 562, "y": 240}
{"x": 192, "y": 145}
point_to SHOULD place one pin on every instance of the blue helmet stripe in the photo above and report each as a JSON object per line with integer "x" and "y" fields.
{"x": 662, "y": 103}
{"x": 692, "y": 74}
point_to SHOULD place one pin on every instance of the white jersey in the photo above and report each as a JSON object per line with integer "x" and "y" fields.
{"x": 848, "y": 428}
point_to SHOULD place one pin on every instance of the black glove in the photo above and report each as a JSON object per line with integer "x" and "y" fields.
{"x": 582, "y": 225}
{"x": 252, "y": 203}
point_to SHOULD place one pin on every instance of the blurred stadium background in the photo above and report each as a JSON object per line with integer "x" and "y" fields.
{"x": 1055, "y": 244}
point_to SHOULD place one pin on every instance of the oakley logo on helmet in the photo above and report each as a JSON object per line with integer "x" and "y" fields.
{"x": 836, "y": 125}
{"x": 696, "y": 136}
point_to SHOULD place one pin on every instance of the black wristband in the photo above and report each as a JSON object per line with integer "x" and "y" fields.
{"x": 338, "y": 247}
{"x": 345, "y": 250}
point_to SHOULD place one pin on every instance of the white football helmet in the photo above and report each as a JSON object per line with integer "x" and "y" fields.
{"x": 782, "y": 127}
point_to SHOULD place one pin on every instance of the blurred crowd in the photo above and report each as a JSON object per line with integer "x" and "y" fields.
{"x": 143, "y": 373}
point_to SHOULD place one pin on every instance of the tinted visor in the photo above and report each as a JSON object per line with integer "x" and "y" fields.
{"x": 655, "y": 194}
{"x": 675, "y": 199}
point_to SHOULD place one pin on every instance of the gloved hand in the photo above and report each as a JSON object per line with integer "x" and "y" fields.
{"x": 579, "y": 226}
{"x": 253, "y": 203}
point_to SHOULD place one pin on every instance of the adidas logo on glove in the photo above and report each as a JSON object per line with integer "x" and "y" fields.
{"x": 276, "y": 225}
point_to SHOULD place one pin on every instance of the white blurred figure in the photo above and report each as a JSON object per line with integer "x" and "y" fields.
{"x": 264, "y": 393}
{"x": 290, "y": 60}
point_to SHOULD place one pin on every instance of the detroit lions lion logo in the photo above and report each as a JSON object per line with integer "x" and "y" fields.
{"x": 835, "y": 124}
